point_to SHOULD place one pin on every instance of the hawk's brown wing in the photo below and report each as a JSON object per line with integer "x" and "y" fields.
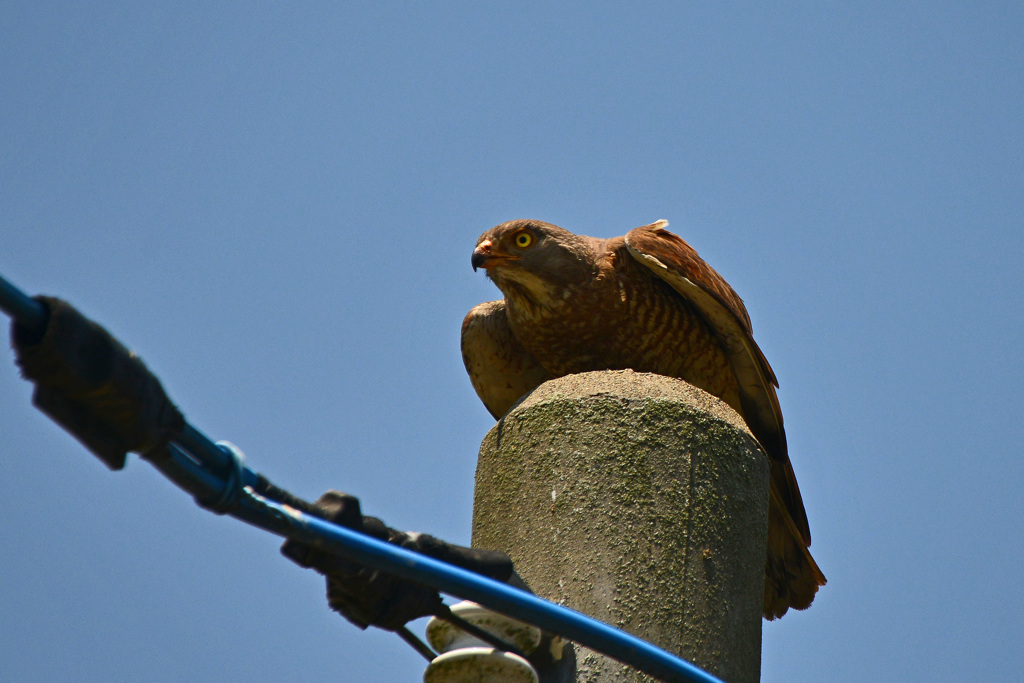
{"x": 677, "y": 263}
{"x": 791, "y": 575}
{"x": 501, "y": 370}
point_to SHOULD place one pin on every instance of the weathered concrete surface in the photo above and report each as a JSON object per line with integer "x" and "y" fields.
{"x": 641, "y": 501}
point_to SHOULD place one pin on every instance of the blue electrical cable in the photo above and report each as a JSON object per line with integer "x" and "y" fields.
{"x": 494, "y": 595}
{"x": 218, "y": 479}
{"x": 19, "y": 306}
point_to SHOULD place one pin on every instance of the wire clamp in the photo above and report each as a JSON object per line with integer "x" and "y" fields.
{"x": 233, "y": 487}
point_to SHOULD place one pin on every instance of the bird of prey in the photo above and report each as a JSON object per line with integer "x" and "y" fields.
{"x": 646, "y": 302}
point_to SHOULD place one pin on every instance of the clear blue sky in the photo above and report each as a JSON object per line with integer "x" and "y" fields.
{"x": 276, "y": 205}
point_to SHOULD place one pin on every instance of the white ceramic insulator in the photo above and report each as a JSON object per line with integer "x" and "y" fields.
{"x": 466, "y": 659}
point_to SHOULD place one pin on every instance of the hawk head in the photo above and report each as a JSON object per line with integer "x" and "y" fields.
{"x": 533, "y": 259}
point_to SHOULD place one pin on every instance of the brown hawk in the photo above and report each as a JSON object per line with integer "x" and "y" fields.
{"x": 649, "y": 303}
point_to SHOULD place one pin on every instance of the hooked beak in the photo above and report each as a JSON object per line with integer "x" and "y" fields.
{"x": 484, "y": 256}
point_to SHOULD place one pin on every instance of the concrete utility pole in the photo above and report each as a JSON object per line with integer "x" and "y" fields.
{"x": 641, "y": 501}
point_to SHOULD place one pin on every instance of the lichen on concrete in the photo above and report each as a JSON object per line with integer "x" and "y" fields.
{"x": 637, "y": 499}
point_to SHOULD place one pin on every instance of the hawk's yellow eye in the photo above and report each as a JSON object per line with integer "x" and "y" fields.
{"x": 523, "y": 239}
